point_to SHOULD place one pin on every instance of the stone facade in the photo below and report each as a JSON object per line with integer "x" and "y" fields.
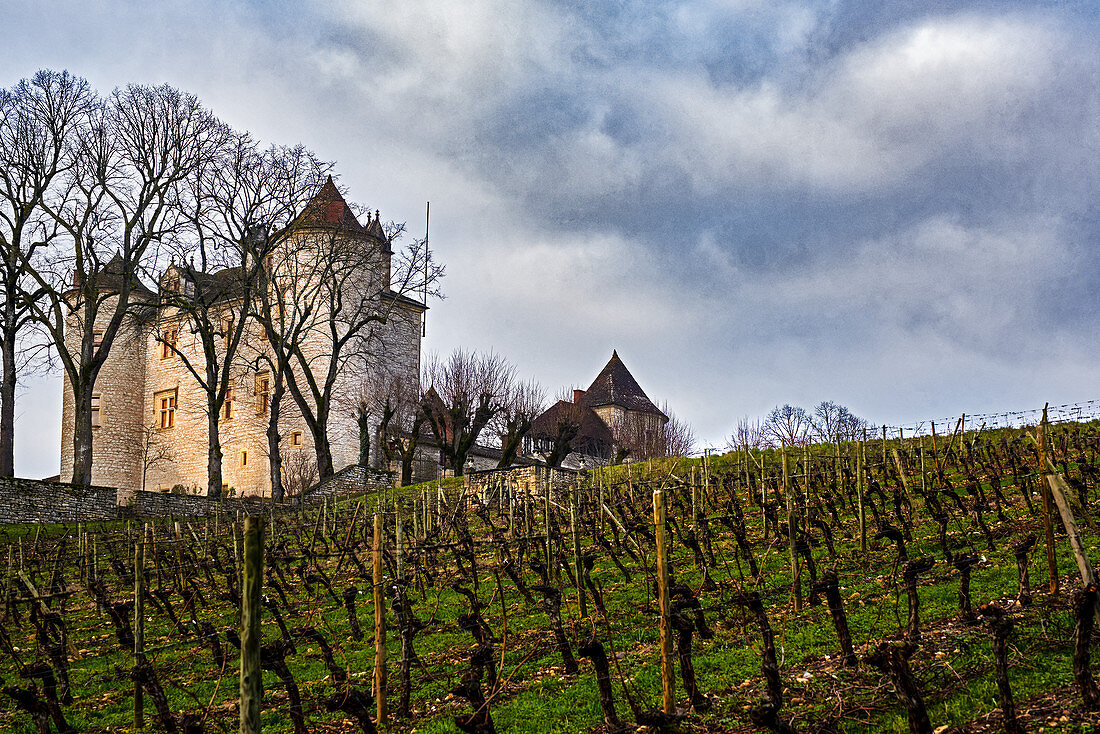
{"x": 149, "y": 399}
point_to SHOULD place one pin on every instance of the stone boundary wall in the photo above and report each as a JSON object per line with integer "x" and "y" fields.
{"x": 349, "y": 480}
{"x": 523, "y": 480}
{"x": 34, "y": 501}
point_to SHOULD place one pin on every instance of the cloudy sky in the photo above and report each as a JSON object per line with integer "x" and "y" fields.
{"x": 887, "y": 204}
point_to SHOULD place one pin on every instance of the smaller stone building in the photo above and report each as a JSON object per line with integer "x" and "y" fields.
{"x": 613, "y": 420}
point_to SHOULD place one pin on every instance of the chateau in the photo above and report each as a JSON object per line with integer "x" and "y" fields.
{"x": 149, "y": 408}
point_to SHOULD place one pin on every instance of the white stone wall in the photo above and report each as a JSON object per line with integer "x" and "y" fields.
{"x": 120, "y": 385}
{"x": 136, "y": 373}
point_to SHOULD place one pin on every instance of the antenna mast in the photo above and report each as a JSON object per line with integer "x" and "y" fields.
{"x": 427, "y": 253}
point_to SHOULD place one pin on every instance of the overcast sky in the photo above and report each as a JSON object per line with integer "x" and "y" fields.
{"x": 892, "y": 205}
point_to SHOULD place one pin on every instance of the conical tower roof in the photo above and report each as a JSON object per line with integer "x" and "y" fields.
{"x": 616, "y": 386}
{"x": 328, "y": 208}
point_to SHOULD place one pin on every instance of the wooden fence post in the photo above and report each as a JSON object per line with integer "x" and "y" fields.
{"x": 379, "y": 626}
{"x": 252, "y": 574}
{"x": 792, "y": 533}
{"x": 139, "y": 626}
{"x": 1048, "y": 523}
{"x": 582, "y": 603}
{"x": 668, "y": 682}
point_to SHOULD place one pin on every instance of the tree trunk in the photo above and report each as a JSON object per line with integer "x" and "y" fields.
{"x": 274, "y": 454}
{"x": 213, "y": 451}
{"x": 82, "y": 435}
{"x": 324, "y": 454}
{"x": 7, "y": 408}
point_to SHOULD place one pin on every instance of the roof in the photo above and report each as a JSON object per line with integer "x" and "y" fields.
{"x": 593, "y": 436}
{"x": 111, "y": 276}
{"x": 616, "y": 386}
{"x": 328, "y": 208}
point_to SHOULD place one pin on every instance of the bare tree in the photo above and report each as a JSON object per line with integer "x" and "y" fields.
{"x": 465, "y": 392}
{"x": 834, "y": 422}
{"x": 642, "y": 436}
{"x": 748, "y": 434}
{"x": 38, "y": 120}
{"x": 522, "y": 402}
{"x": 146, "y": 442}
{"x": 391, "y": 401}
{"x": 239, "y": 208}
{"x": 301, "y": 472}
{"x": 114, "y": 200}
{"x": 328, "y": 302}
{"x": 789, "y": 425}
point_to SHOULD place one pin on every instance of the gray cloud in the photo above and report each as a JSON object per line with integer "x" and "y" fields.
{"x": 887, "y": 204}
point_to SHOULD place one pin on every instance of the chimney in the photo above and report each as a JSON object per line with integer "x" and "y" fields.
{"x": 578, "y": 395}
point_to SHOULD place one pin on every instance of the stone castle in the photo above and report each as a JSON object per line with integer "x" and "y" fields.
{"x": 150, "y": 426}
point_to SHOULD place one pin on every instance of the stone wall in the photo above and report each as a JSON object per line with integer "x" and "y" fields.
{"x": 349, "y": 480}
{"x": 521, "y": 481}
{"x": 32, "y": 501}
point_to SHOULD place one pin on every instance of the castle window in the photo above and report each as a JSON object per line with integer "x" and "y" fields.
{"x": 244, "y": 458}
{"x": 263, "y": 389}
{"x": 227, "y": 406}
{"x": 228, "y": 324}
{"x": 166, "y": 408}
{"x": 97, "y": 339}
{"x": 296, "y": 438}
{"x": 95, "y": 410}
{"x": 168, "y": 342}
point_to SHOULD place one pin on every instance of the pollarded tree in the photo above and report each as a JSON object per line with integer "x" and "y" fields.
{"x": 38, "y": 121}
{"x": 522, "y": 402}
{"x": 465, "y": 392}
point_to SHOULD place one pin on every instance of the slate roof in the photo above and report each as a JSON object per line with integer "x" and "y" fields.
{"x": 110, "y": 278}
{"x": 591, "y": 427}
{"x": 616, "y": 386}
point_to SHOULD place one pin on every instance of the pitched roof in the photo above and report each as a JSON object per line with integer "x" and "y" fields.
{"x": 593, "y": 436}
{"x": 111, "y": 276}
{"x": 328, "y": 208}
{"x": 616, "y": 386}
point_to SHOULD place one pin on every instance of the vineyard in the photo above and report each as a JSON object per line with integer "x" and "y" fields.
{"x": 900, "y": 584}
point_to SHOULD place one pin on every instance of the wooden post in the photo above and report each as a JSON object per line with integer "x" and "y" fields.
{"x": 792, "y": 533}
{"x": 1044, "y": 489}
{"x": 379, "y": 626}
{"x": 668, "y": 682}
{"x": 139, "y": 627}
{"x": 861, "y": 466}
{"x": 252, "y": 574}
{"x": 546, "y": 523}
{"x": 399, "y": 555}
{"x": 578, "y": 570}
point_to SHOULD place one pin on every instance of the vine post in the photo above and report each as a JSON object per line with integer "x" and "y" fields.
{"x": 668, "y": 682}
{"x": 379, "y": 625}
{"x": 252, "y": 574}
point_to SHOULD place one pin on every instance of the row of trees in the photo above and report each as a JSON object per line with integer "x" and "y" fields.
{"x": 476, "y": 399}
{"x": 99, "y": 194}
{"x": 791, "y": 425}
{"x": 479, "y": 398}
